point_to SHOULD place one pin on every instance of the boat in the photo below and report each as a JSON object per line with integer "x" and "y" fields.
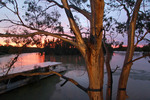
{"x": 18, "y": 81}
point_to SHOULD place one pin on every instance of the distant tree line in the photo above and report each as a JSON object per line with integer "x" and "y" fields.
{"x": 145, "y": 48}
{"x": 58, "y": 47}
{"x": 13, "y": 50}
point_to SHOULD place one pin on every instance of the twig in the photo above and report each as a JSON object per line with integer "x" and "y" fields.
{"x": 12, "y": 63}
{"x": 140, "y": 38}
{"x": 115, "y": 69}
{"x": 15, "y": 59}
{"x": 137, "y": 59}
{"x": 85, "y": 13}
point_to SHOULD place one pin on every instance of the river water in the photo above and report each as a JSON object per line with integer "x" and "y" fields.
{"x": 50, "y": 89}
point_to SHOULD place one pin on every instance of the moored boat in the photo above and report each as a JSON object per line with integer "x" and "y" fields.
{"x": 19, "y": 80}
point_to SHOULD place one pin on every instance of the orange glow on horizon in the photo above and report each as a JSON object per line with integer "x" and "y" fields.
{"x": 15, "y": 45}
{"x": 27, "y": 59}
{"x": 2, "y": 43}
{"x": 126, "y": 46}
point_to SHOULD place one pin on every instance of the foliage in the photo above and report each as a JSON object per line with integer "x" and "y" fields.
{"x": 146, "y": 48}
{"x": 14, "y": 50}
{"x": 127, "y": 7}
{"x": 59, "y": 47}
{"x": 37, "y": 17}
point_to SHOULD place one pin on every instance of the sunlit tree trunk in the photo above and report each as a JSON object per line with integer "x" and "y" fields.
{"x": 92, "y": 52}
{"x": 129, "y": 55}
{"x": 95, "y": 69}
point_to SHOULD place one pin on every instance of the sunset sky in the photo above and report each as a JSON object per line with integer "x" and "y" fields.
{"x": 5, "y": 13}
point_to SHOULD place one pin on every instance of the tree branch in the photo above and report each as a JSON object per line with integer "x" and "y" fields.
{"x": 40, "y": 33}
{"x": 7, "y": 7}
{"x": 17, "y": 12}
{"x": 85, "y": 13}
{"x": 74, "y": 27}
{"x": 128, "y": 13}
{"x": 115, "y": 69}
{"x": 45, "y": 9}
{"x": 81, "y": 45}
{"x": 53, "y": 1}
{"x": 13, "y": 22}
{"x": 15, "y": 58}
{"x": 140, "y": 39}
{"x": 139, "y": 58}
{"x": 12, "y": 63}
{"x": 131, "y": 33}
{"x": 44, "y": 73}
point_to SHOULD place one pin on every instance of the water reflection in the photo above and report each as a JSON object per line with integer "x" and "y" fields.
{"x": 24, "y": 59}
{"x": 74, "y": 59}
{"x": 49, "y": 89}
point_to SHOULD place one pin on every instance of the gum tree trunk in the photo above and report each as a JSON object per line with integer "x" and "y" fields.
{"x": 91, "y": 51}
{"x": 95, "y": 69}
{"x": 121, "y": 95}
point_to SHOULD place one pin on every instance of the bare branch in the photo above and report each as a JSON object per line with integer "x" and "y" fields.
{"x": 74, "y": 27}
{"x": 12, "y": 63}
{"x": 8, "y": 8}
{"x": 53, "y": 1}
{"x": 131, "y": 33}
{"x": 140, "y": 39}
{"x": 147, "y": 18}
{"x": 128, "y": 13}
{"x": 45, "y": 9}
{"x": 138, "y": 58}
{"x": 11, "y": 21}
{"x": 15, "y": 59}
{"x": 19, "y": 24}
{"x": 85, "y": 13}
{"x": 44, "y": 73}
{"x": 17, "y": 12}
{"x": 40, "y": 33}
{"x": 115, "y": 69}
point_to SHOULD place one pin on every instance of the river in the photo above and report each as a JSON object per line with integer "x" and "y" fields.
{"x": 50, "y": 89}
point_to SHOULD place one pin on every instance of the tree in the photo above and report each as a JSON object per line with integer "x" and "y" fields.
{"x": 37, "y": 21}
{"x": 134, "y": 26}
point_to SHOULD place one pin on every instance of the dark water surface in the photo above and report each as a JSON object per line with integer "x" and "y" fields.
{"x": 50, "y": 89}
